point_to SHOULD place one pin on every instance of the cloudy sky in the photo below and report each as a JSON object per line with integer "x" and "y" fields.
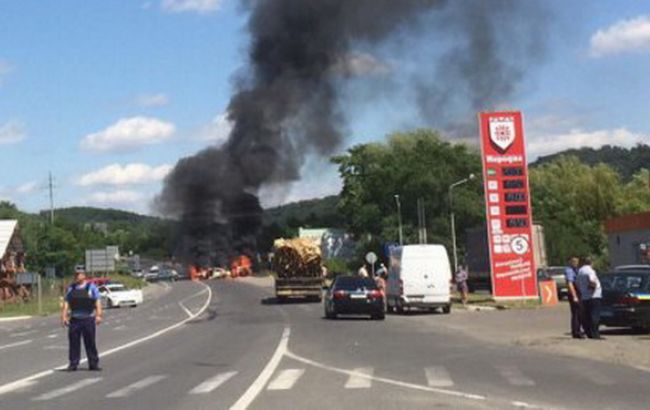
{"x": 107, "y": 96}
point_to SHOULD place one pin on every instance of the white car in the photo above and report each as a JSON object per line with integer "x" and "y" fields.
{"x": 116, "y": 295}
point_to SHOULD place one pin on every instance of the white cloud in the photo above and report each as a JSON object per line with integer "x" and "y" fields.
{"x": 359, "y": 64}
{"x": 545, "y": 144}
{"x": 194, "y": 6}
{"x": 152, "y": 100}
{"x": 12, "y": 132}
{"x": 217, "y": 131}
{"x": 27, "y": 188}
{"x": 130, "y": 174}
{"x": 623, "y": 36}
{"x": 119, "y": 197}
{"x": 129, "y": 133}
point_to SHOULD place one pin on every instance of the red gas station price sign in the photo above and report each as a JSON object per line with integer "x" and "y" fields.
{"x": 507, "y": 203}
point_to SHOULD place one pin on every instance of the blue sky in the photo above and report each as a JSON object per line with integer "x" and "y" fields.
{"x": 107, "y": 95}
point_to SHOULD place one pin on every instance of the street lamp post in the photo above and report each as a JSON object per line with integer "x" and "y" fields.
{"x": 399, "y": 220}
{"x": 453, "y": 218}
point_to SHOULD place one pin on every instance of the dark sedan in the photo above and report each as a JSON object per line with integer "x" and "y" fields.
{"x": 354, "y": 295}
{"x": 626, "y": 300}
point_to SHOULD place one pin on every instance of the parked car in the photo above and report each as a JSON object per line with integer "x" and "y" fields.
{"x": 557, "y": 274}
{"x": 138, "y": 273}
{"x": 419, "y": 277}
{"x": 116, "y": 294}
{"x": 634, "y": 268}
{"x": 626, "y": 299}
{"x": 354, "y": 295}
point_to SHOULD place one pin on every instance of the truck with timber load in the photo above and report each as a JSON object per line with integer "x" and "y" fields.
{"x": 298, "y": 269}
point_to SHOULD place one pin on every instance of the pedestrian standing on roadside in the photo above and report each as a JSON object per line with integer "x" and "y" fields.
{"x": 81, "y": 312}
{"x": 590, "y": 295}
{"x": 460, "y": 277}
{"x": 570, "y": 274}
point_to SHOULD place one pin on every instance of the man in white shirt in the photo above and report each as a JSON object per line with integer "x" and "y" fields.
{"x": 590, "y": 295}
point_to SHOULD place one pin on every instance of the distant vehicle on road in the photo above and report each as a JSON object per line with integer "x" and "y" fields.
{"x": 626, "y": 299}
{"x": 167, "y": 274}
{"x": 419, "y": 277}
{"x": 298, "y": 269}
{"x": 354, "y": 295}
{"x": 138, "y": 273}
{"x": 152, "y": 273}
{"x": 116, "y": 294}
{"x": 557, "y": 274}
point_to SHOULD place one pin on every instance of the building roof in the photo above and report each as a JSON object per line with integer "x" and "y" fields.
{"x": 625, "y": 223}
{"x": 7, "y": 229}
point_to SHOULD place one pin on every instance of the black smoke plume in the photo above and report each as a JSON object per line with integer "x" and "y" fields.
{"x": 286, "y": 103}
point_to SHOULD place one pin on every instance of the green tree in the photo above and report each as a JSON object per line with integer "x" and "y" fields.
{"x": 413, "y": 165}
{"x": 571, "y": 200}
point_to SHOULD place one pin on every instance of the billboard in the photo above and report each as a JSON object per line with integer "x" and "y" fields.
{"x": 507, "y": 205}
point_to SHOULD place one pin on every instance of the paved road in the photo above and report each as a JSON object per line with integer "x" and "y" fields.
{"x": 244, "y": 351}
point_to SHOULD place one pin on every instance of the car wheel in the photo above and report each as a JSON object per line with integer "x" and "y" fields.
{"x": 641, "y": 329}
{"x": 109, "y": 304}
{"x": 330, "y": 313}
{"x": 446, "y": 309}
{"x": 379, "y": 316}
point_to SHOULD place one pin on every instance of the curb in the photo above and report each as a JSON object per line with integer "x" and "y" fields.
{"x": 14, "y": 318}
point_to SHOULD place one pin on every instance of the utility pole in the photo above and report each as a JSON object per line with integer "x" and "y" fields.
{"x": 51, "y": 187}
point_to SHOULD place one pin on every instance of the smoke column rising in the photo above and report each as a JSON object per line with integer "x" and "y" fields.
{"x": 285, "y": 105}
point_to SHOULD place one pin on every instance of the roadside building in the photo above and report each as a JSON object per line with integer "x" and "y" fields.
{"x": 629, "y": 239}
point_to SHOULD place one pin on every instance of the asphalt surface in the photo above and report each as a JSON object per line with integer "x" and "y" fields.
{"x": 244, "y": 351}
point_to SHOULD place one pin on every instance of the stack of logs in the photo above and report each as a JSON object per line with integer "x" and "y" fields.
{"x": 295, "y": 258}
{"x": 10, "y": 291}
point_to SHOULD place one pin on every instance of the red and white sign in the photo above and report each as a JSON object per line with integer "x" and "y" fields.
{"x": 507, "y": 205}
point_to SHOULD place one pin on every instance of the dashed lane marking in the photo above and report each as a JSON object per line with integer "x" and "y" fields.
{"x": 212, "y": 383}
{"x": 413, "y": 386}
{"x": 514, "y": 376}
{"x": 21, "y": 343}
{"x": 69, "y": 389}
{"x": 11, "y": 386}
{"x": 360, "y": 378}
{"x": 286, "y": 379}
{"x": 438, "y": 376}
{"x": 139, "y": 385}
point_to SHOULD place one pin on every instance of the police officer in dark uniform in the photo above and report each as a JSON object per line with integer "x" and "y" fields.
{"x": 82, "y": 311}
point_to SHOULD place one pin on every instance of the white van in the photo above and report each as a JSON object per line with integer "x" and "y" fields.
{"x": 419, "y": 277}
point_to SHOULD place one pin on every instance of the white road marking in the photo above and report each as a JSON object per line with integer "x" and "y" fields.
{"x": 642, "y": 368}
{"x": 360, "y": 378}
{"x": 20, "y": 334}
{"x": 286, "y": 379}
{"x": 21, "y": 343}
{"x": 438, "y": 376}
{"x": 212, "y": 383}
{"x": 132, "y": 388}
{"x": 68, "y": 389}
{"x": 120, "y": 327}
{"x": 55, "y": 347}
{"x": 524, "y": 405}
{"x": 254, "y": 389}
{"x": 384, "y": 380}
{"x": 186, "y": 310}
{"x": 11, "y": 386}
{"x": 52, "y": 336}
{"x": 514, "y": 376}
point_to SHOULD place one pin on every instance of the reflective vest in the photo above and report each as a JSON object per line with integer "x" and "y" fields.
{"x": 81, "y": 300}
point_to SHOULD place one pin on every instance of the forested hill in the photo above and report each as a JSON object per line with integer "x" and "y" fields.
{"x": 320, "y": 212}
{"x": 84, "y": 215}
{"x": 627, "y": 161}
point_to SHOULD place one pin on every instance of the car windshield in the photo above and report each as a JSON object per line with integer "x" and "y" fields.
{"x": 625, "y": 283}
{"x": 352, "y": 283}
{"x": 116, "y": 287}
